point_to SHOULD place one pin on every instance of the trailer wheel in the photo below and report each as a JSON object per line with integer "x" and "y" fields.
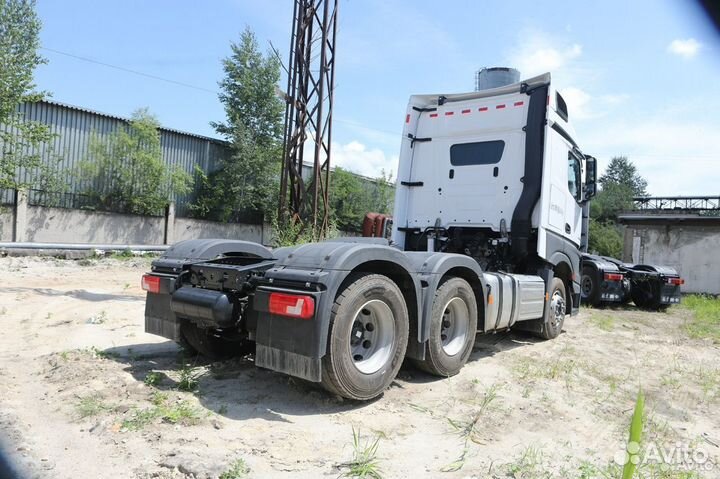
{"x": 212, "y": 344}
{"x": 367, "y": 338}
{"x": 452, "y": 329}
{"x": 555, "y": 315}
{"x": 589, "y": 288}
{"x": 645, "y": 295}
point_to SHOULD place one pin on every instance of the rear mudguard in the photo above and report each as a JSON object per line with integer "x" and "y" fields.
{"x": 296, "y": 347}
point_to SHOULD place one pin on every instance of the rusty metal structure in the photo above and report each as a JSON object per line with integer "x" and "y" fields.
{"x": 308, "y": 115}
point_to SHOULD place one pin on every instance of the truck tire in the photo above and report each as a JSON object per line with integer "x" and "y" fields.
{"x": 589, "y": 287}
{"x": 555, "y": 315}
{"x": 452, "y": 329}
{"x": 367, "y": 338}
{"x": 210, "y": 344}
{"x": 645, "y": 295}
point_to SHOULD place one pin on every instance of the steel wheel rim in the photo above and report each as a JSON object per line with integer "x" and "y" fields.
{"x": 372, "y": 336}
{"x": 586, "y": 286}
{"x": 557, "y": 309}
{"x": 454, "y": 326}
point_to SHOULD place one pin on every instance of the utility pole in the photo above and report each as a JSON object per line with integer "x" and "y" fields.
{"x": 308, "y": 116}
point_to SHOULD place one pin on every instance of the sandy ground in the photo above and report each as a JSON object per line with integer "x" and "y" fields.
{"x": 74, "y": 398}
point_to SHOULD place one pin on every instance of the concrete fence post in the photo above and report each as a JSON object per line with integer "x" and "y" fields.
{"x": 170, "y": 223}
{"x": 21, "y": 210}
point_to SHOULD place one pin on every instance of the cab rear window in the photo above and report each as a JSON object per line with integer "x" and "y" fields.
{"x": 479, "y": 153}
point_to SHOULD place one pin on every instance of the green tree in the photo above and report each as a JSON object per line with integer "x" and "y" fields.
{"x": 352, "y": 196}
{"x": 619, "y": 184}
{"x": 605, "y": 239}
{"x": 20, "y": 139}
{"x": 126, "y": 171}
{"x": 622, "y": 171}
{"x": 247, "y": 180}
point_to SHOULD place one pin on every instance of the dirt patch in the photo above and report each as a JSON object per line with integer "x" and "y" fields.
{"x": 86, "y": 393}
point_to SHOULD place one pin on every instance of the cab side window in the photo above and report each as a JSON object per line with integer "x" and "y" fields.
{"x": 574, "y": 181}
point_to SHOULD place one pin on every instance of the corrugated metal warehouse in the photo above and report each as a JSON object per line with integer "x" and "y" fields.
{"x": 74, "y": 127}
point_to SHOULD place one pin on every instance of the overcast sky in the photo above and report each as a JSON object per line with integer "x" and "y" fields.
{"x": 640, "y": 77}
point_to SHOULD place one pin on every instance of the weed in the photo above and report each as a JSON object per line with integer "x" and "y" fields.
{"x": 179, "y": 413}
{"x": 669, "y": 380}
{"x": 99, "y": 318}
{"x": 237, "y": 470}
{"x": 709, "y": 381}
{"x": 124, "y": 254}
{"x": 65, "y": 355}
{"x": 705, "y": 320}
{"x": 140, "y": 418}
{"x": 364, "y": 463}
{"x": 96, "y": 353}
{"x": 49, "y": 315}
{"x": 188, "y": 379}
{"x": 559, "y": 368}
{"x": 91, "y": 405}
{"x": 3, "y": 311}
{"x": 158, "y": 398}
{"x": 635, "y": 437}
{"x": 468, "y": 429}
{"x": 528, "y": 465}
{"x": 222, "y": 409}
{"x": 153, "y": 378}
{"x": 603, "y": 321}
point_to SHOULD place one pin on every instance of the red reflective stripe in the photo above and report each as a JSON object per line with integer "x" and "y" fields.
{"x": 292, "y": 305}
{"x": 676, "y": 281}
{"x": 433, "y": 115}
{"x": 500, "y": 106}
{"x": 150, "y": 283}
{"x": 518, "y": 103}
{"x": 449, "y": 113}
{"x": 407, "y": 118}
{"x": 613, "y": 277}
{"x": 483, "y": 108}
{"x": 465, "y": 112}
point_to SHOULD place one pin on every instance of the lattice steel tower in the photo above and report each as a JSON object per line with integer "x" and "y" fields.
{"x": 308, "y": 115}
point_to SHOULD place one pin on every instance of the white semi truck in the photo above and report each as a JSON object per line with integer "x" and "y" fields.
{"x": 486, "y": 236}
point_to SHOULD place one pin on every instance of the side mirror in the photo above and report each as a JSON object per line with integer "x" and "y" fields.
{"x": 590, "y": 177}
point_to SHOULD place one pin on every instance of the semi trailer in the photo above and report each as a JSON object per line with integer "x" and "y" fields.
{"x": 607, "y": 280}
{"x": 486, "y": 236}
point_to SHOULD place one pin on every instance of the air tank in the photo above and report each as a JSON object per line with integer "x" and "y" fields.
{"x": 495, "y": 77}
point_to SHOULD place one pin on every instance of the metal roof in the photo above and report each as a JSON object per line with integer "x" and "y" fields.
{"x": 116, "y": 117}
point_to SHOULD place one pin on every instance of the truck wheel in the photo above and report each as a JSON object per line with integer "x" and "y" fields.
{"x": 210, "y": 344}
{"x": 589, "y": 288}
{"x": 367, "y": 338}
{"x": 644, "y": 295}
{"x": 452, "y": 329}
{"x": 555, "y": 316}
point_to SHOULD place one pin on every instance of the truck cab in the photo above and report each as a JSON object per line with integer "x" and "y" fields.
{"x": 496, "y": 175}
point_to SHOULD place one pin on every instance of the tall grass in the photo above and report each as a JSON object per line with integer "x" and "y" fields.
{"x": 705, "y": 321}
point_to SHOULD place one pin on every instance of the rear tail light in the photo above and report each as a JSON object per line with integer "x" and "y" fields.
{"x": 150, "y": 283}
{"x": 676, "y": 281}
{"x": 292, "y": 305}
{"x": 613, "y": 277}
